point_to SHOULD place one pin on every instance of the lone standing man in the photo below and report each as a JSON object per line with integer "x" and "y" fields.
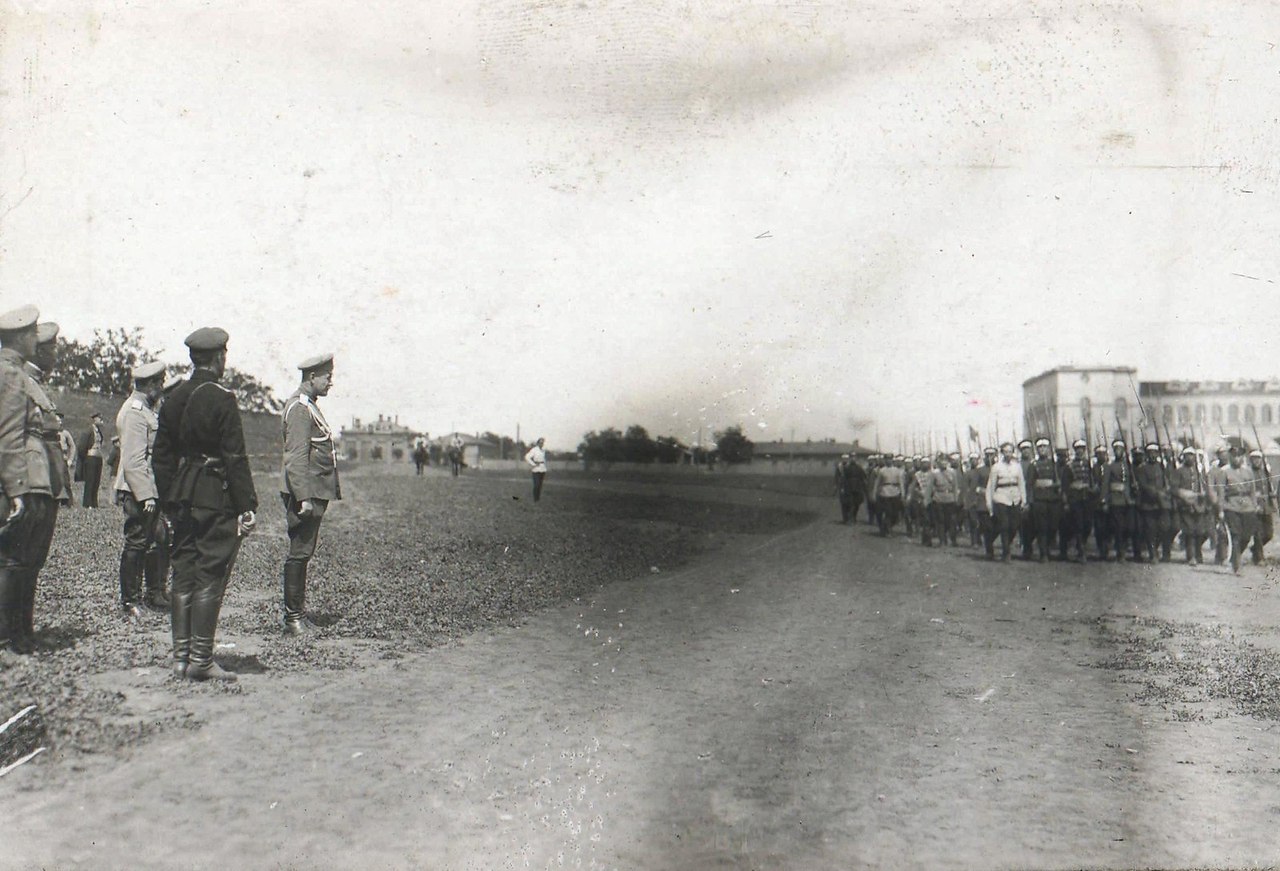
{"x": 146, "y": 542}
{"x": 94, "y": 453}
{"x": 206, "y": 488}
{"x": 537, "y": 460}
{"x": 309, "y": 483}
{"x": 28, "y": 506}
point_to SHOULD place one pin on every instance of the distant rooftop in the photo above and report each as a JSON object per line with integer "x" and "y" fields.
{"x": 1121, "y": 370}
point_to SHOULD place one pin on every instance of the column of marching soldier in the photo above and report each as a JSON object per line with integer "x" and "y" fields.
{"x": 184, "y": 485}
{"x": 1133, "y": 503}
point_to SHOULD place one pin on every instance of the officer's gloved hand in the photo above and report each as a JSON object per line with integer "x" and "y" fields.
{"x": 305, "y": 508}
{"x": 16, "y": 506}
{"x": 149, "y": 507}
{"x": 245, "y": 523}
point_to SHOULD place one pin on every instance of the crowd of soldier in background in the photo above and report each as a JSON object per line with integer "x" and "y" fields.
{"x": 1133, "y": 504}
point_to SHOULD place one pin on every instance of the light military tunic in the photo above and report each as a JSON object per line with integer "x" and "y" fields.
{"x": 137, "y": 422}
{"x": 310, "y": 455}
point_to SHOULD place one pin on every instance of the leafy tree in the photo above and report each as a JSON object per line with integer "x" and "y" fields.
{"x": 602, "y": 447}
{"x": 668, "y": 449}
{"x": 103, "y": 365}
{"x": 637, "y": 447}
{"x": 733, "y": 446}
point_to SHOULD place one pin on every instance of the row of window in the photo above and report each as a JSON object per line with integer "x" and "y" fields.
{"x": 1182, "y": 414}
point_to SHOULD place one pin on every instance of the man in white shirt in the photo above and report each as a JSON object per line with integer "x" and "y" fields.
{"x": 1006, "y": 496}
{"x": 537, "y": 460}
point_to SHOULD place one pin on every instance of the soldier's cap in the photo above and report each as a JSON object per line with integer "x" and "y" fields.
{"x": 172, "y": 381}
{"x": 1257, "y": 454}
{"x": 844, "y": 456}
{"x": 19, "y": 319}
{"x": 318, "y": 363}
{"x": 1191, "y": 451}
{"x": 1117, "y": 443}
{"x": 1100, "y": 449}
{"x": 1025, "y": 443}
{"x": 95, "y": 416}
{"x": 1222, "y": 449}
{"x": 1153, "y": 448}
{"x": 1079, "y": 443}
{"x": 955, "y": 455}
{"x": 46, "y": 332}
{"x": 143, "y": 371}
{"x": 207, "y": 339}
{"x": 990, "y": 451}
{"x": 973, "y": 456}
{"x": 1042, "y": 441}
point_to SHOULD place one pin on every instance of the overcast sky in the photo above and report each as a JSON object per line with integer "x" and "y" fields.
{"x": 570, "y": 215}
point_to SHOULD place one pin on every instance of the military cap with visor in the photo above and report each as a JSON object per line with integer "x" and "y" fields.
{"x": 144, "y": 371}
{"x": 207, "y": 339}
{"x": 19, "y": 319}
{"x": 318, "y": 363}
{"x": 46, "y": 332}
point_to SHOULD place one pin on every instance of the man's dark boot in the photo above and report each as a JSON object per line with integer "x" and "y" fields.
{"x": 155, "y": 570}
{"x": 205, "y": 605}
{"x": 131, "y": 584}
{"x": 10, "y": 608}
{"x": 180, "y": 617}
{"x": 295, "y": 599}
{"x": 24, "y": 629}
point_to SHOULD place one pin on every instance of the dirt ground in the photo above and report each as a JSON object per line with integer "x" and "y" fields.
{"x": 820, "y": 698}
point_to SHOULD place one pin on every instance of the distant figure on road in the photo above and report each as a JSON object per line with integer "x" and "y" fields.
{"x": 420, "y": 456}
{"x": 537, "y": 460}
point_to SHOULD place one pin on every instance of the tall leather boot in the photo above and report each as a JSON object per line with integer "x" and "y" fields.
{"x": 24, "y": 627}
{"x": 206, "y": 603}
{"x": 155, "y": 569}
{"x": 131, "y": 584}
{"x": 180, "y": 619}
{"x": 10, "y": 607}
{"x": 295, "y": 597}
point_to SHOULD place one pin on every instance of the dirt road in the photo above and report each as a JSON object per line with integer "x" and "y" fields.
{"x": 822, "y": 698}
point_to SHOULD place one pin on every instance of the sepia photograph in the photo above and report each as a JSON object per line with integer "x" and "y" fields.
{"x": 639, "y": 434}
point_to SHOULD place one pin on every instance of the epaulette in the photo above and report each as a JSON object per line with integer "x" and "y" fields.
{"x": 136, "y": 405}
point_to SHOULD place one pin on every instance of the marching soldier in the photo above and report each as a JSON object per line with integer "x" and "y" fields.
{"x": 890, "y": 482}
{"x": 1194, "y": 506}
{"x": 856, "y": 482}
{"x": 1264, "y": 494}
{"x": 1119, "y": 502}
{"x": 1026, "y": 527}
{"x": 1217, "y": 479}
{"x": 1006, "y": 497}
{"x": 146, "y": 540}
{"x": 26, "y": 477}
{"x": 917, "y": 515}
{"x": 978, "y": 485}
{"x": 1045, "y": 487}
{"x": 1154, "y": 505}
{"x": 1236, "y": 495}
{"x": 203, "y": 477}
{"x": 1080, "y": 495}
{"x": 1101, "y": 519}
{"x": 309, "y": 483}
{"x": 969, "y": 504}
{"x": 942, "y": 500}
{"x": 842, "y": 487}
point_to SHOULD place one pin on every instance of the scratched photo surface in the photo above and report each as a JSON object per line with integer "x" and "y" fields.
{"x": 863, "y": 222}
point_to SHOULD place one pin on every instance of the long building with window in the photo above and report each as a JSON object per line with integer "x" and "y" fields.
{"x": 1069, "y": 402}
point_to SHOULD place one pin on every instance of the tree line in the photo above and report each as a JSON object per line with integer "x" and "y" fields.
{"x": 635, "y": 445}
{"x": 102, "y": 365}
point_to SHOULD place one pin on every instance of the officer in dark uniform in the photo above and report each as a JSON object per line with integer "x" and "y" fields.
{"x": 1027, "y": 523}
{"x": 1080, "y": 494}
{"x": 1045, "y": 488}
{"x": 207, "y": 491}
{"x": 308, "y": 483}
{"x": 1120, "y": 501}
{"x": 1101, "y": 520}
{"x": 27, "y": 479}
{"x": 1155, "y": 505}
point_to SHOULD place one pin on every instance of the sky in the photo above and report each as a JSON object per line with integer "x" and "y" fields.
{"x": 812, "y": 220}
